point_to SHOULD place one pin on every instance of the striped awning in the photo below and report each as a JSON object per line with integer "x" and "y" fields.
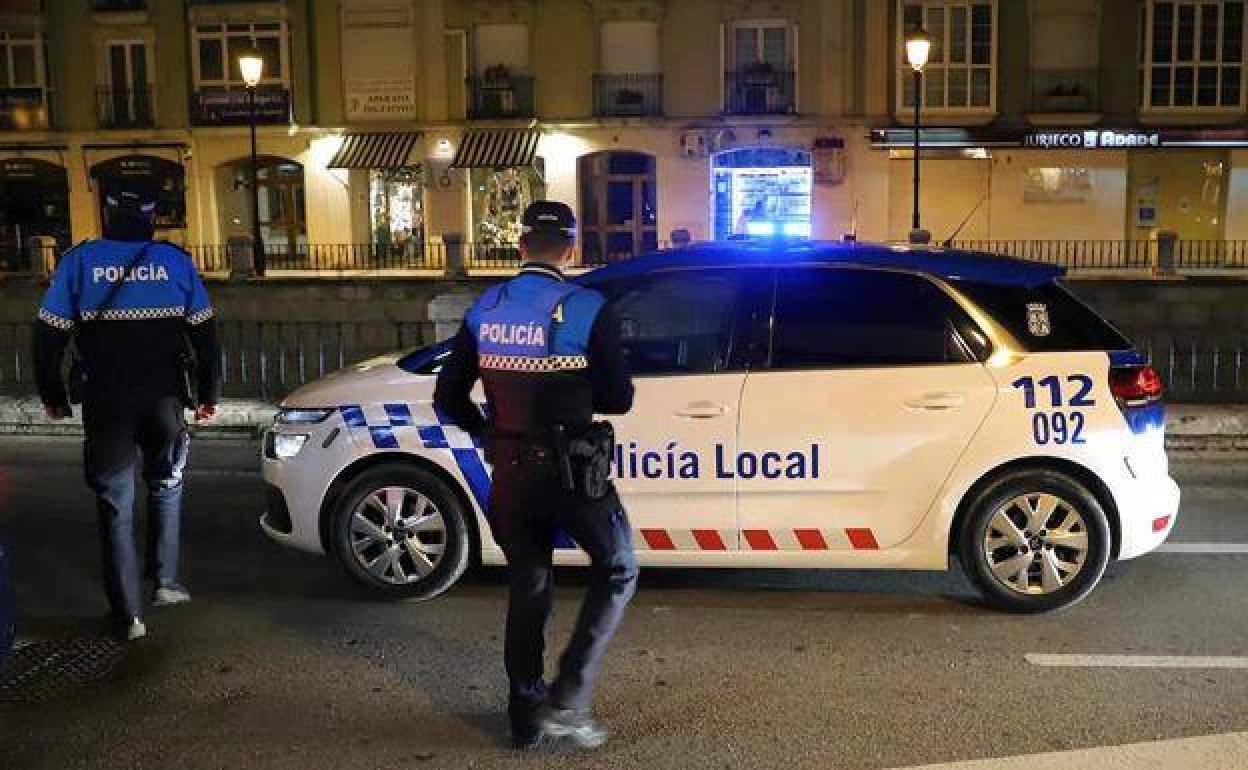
{"x": 497, "y": 148}
{"x": 388, "y": 150}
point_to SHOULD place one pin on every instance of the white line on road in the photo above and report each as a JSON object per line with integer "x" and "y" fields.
{"x": 1138, "y": 661}
{"x": 1203, "y": 548}
{"x": 1228, "y": 751}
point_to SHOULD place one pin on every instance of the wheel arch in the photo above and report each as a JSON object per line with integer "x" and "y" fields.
{"x": 366, "y": 463}
{"x": 1080, "y": 473}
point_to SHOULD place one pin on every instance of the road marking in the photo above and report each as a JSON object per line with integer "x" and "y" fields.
{"x": 1209, "y": 752}
{"x": 1138, "y": 661}
{"x": 1203, "y": 548}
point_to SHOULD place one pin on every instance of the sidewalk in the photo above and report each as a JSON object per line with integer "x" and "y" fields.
{"x": 1188, "y": 427}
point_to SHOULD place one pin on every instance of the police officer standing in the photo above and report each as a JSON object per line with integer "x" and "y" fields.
{"x": 145, "y": 348}
{"x": 549, "y": 356}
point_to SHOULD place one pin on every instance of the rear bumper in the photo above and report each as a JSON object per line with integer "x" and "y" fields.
{"x": 1147, "y": 515}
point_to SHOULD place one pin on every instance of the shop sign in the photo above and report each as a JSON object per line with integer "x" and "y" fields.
{"x": 1092, "y": 139}
{"x": 381, "y": 99}
{"x": 217, "y": 106}
{"x": 379, "y": 60}
{"x": 828, "y": 160}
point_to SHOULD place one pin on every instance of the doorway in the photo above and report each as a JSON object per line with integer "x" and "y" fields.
{"x": 282, "y": 208}
{"x": 34, "y": 201}
{"x": 619, "y": 205}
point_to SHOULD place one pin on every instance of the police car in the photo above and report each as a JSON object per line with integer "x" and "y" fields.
{"x": 803, "y": 405}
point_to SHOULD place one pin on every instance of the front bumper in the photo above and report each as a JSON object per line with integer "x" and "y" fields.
{"x": 1147, "y": 515}
{"x": 296, "y": 486}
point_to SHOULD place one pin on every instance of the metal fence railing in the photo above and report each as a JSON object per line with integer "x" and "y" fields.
{"x": 265, "y": 359}
{"x": 618, "y": 96}
{"x": 760, "y": 90}
{"x": 1074, "y": 254}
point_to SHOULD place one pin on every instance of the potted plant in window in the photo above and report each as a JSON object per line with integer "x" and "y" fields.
{"x": 630, "y": 101}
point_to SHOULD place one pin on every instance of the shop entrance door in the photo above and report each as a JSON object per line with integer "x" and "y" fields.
{"x": 618, "y": 206}
{"x": 283, "y": 214}
{"x": 1180, "y": 191}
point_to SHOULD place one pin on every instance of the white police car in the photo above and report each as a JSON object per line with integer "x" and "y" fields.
{"x": 798, "y": 405}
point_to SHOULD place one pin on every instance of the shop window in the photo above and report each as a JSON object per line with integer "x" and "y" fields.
{"x": 282, "y": 208}
{"x": 762, "y": 192}
{"x": 34, "y": 201}
{"x": 618, "y": 206}
{"x": 961, "y": 69}
{"x": 499, "y": 198}
{"x": 395, "y": 213}
{"x": 1192, "y": 55}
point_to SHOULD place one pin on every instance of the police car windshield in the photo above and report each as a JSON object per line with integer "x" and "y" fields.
{"x": 1045, "y": 318}
{"x": 426, "y": 360}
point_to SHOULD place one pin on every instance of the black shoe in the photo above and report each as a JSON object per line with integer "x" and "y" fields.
{"x": 526, "y": 734}
{"x": 577, "y": 725}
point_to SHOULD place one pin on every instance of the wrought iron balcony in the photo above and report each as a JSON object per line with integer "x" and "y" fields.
{"x": 619, "y": 96}
{"x": 124, "y": 107}
{"x": 500, "y": 96}
{"x": 760, "y": 90}
{"x": 1065, "y": 90}
{"x": 119, "y": 5}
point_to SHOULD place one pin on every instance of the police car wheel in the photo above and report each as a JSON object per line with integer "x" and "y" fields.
{"x": 400, "y": 532}
{"x": 1035, "y": 541}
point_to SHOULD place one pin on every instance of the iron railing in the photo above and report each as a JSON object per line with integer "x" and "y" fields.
{"x": 500, "y": 97}
{"x": 1072, "y": 254}
{"x": 760, "y": 92}
{"x": 1065, "y": 90}
{"x": 124, "y": 107}
{"x": 621, "y": 96}
{"x": 119, "y": 5}
{"x": 265, "y": 359}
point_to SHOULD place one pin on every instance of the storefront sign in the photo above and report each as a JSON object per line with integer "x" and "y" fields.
{"x": 217, "y": 106}
{"x": 381, "y": 99}
{"x": 828, "y": 160}
{"x": 1092, "y": 139}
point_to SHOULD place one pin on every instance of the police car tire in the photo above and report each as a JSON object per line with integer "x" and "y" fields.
{"x": 455, "y": 558}
{"x": 998, "y": 493}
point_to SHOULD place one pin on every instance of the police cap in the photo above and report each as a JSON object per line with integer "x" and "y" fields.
{"x": 549, "y": 216}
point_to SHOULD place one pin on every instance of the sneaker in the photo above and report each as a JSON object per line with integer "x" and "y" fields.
{"x": 131, "y": 630}
{"x": 577, "y": 725}
{"x": 169, "y": 595}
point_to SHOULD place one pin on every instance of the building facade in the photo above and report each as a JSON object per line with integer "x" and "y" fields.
{"x": 398, "y": 125}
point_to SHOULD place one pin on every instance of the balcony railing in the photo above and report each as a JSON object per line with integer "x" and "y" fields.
{"x": 500, "y": 97}
{"x": 124, "y": 107}
{"x": 1065, "y": 90}
{"x": 119, "y": 5}
{"x": 622, "y": 96}
{"x": 760, "y": 91}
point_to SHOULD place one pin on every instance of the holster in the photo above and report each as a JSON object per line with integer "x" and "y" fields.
{"x": 585, "y": 460}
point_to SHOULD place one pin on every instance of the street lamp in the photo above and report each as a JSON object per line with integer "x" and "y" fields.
{"x": 918, "y": 47}
{"x": 251, "y": 65}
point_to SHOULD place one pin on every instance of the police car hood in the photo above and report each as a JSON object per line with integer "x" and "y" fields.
{"x": 377, "y": 379}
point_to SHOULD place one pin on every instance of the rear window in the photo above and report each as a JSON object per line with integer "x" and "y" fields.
{"x": 1045, "y": 318}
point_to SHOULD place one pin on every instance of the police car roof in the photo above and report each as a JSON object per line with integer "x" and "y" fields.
{"x": 933, "y": 260}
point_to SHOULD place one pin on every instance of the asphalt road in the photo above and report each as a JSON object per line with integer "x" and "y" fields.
{"x": 280, "y": 662}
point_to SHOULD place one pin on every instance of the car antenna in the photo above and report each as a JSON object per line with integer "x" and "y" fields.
{"x": 948, "y": 242}
{"x": 852, "y": 235}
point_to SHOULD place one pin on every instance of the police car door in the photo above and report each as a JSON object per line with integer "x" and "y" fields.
{"x": 870, "y": 394}
{"x": 682, "y": 336}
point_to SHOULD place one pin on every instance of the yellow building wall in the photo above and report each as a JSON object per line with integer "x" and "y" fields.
{"x": 690, "y": 46}
{"x": 1102, "y": 216}
{"x": 563, "y": 55}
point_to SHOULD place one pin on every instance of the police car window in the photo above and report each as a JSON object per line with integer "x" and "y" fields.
{"x": 828, "y": 317}
{"x": 676, "y": 323}
{"x": 1045, "y": 318}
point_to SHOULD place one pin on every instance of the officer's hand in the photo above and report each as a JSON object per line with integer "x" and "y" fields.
{"x": 58, "y": 412}
{"x": 205, "y": 412}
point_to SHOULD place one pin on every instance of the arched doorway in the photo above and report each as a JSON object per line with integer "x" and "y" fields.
{"x": 165, "y": 176}
{"x": 762, "y": 191}
{"x": 34, "y": 201}
{"x": 282, "y": 208}
{"x": 619, "y": 205}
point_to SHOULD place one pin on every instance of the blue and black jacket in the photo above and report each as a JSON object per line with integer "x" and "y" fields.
{"x": 131, "y": 345}
{"x": 548, "y": 352}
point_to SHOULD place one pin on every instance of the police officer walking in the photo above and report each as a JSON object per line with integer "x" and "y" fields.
{"x": 549, "y": 356}
{"x": 145, "y": 348}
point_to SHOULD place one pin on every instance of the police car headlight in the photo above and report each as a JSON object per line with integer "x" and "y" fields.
{"x": 301, "y": 416}
{"x": 287, "y": 445}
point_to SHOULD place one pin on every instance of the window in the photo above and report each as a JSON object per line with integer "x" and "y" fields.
{"x": 1191, "y": 55}
{"x": 829, "y": 317}
{"x": 218, "y": 46}
{"x": 678, "y": 322}
{"x": 1067, "y": 324}
{"x": 961, "y": 68}
{"x": 761, "y": 44}
{"x": 21, "y": 65}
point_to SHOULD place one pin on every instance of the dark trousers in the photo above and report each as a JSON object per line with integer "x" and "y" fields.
{"x": 528, "y": 508}
{"x": 115, "y": 428}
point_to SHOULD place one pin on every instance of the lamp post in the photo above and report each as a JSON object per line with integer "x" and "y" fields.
{"x": 918, "y": 47}
{"x": 251, "y": 65}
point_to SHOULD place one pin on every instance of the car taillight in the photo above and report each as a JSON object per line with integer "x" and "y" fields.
{"x": 1135, "y": 385}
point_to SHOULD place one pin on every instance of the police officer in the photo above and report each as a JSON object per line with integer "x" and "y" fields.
{"x": 549, "y": 356}
{"x": 146, "y": 348}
